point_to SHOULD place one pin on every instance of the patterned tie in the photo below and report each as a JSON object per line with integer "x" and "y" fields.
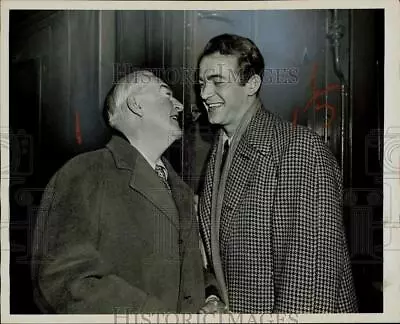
{"x": 224, "y": 155}
{"x": 162, "y": 173}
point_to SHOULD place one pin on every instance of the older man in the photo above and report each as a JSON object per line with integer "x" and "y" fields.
{"x": 270, "y": 209}
{"x": 116, "y": 230}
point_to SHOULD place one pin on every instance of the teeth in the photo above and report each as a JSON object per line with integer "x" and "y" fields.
{"x": 214, "y": 105}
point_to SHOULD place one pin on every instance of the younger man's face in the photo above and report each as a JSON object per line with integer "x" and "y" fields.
{"x": 223, "y": 96}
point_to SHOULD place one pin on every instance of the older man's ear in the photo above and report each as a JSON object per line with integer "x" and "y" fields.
{"x": 134, "y": 106}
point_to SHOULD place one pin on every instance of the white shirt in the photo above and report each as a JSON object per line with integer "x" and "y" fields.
{"x": 226, "y": 137}
{"x": 152, "y": 164}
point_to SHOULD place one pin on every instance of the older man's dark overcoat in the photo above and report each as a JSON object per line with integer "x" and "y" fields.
{"x": 110, "y": 238}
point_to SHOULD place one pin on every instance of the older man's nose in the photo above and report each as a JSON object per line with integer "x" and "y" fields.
{"x": 177, "y": 105}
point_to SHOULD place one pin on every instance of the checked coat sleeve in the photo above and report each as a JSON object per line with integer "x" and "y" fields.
{"x": 312, "y": 269}
{"x": 335, "y": 284}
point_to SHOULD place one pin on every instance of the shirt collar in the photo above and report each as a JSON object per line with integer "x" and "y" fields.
{"x": 226, "y": 137}
{"x": 152, "y": 163}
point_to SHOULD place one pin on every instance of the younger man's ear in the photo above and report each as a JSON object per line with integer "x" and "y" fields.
{"x": 134, "y": 106}
{"x": 253, "y": 84}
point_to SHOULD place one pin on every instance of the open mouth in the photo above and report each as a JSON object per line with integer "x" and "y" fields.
{"x": 213, "y": 106}
{"x": 174, "y": 117}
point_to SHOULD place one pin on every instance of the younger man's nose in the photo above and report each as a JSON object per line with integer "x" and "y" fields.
{"x": 206, "y": 91}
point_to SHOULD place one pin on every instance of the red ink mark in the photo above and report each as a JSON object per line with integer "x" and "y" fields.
{"x": 315, "y": 99}
{"x": 78, "y": 136}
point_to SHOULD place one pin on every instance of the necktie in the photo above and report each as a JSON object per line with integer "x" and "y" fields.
{"x": 162, "y": 173}
{"x": 224, "y": 155}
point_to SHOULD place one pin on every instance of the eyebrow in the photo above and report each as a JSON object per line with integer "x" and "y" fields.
{"x": 213, "y": 76}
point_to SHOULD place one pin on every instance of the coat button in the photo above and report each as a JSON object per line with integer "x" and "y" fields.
{"x": 180, "y": 241}
{"x": 188, "y": 298}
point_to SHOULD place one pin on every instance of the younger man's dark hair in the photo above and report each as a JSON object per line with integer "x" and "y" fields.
{"x": 250, "y": 59}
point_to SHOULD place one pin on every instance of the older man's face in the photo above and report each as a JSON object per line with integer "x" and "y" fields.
{"x": 160, "y": 109}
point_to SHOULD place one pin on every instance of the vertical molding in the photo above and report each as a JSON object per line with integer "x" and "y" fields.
{"x": 163, "y": 24}
{"x": 70, "y": 116}
{"x": 185, "y": 149}
{"x": 99, "y": 58}
{"x": 327, "y": 139}
{"x": 350, "y": 98}
{"x": 189, "y": 96}
{"x": 117, "y": 34}
{"x": 107, "y": 50}
{"x": 148, "y": 20}
{"x": 40, "y": 98}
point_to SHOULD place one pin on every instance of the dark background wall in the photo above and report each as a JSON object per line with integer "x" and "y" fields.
{"x": 63, "y": 63}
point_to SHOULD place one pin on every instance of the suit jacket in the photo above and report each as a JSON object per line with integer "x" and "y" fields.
{"x": 282, "y": 245}
{"x": 110, "y": 238}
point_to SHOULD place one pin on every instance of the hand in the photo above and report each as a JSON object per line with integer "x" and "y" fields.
{"x": 214, "y": 305}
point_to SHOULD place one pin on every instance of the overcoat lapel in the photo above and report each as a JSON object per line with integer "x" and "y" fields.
{"x": 252, "y": 145}
{"x": 240, "y": 172}
{"x": 207, "y": 193}
{"x": 143, "y": 178}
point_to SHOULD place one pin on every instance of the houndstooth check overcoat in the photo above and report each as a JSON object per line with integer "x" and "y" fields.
{"x": 282, "y": 243}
